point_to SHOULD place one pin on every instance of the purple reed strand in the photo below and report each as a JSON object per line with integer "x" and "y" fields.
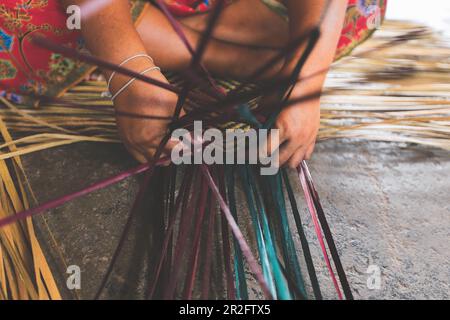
{"x": 313, "y": 37}
{"x": 207, "y": 34}
{"x": 232, "y": 93}
{"x": 182, "y": 198}
{"x": 193, "y": 268}
{"x": 212, "y": 90}
{"x": 190, "y": 278}
{"x": 289, "y": 48}
{"x": 227, "y": 256}
{"x": 208, "y": 251}
{"x": 175, "y": 25}
{"x": 312, "y": 42}
{"x": 179, "y": 31}
{"x": 136, "y": 204}
{"x": 72, "y": 196}
{"x": 225, "y": 105}
{"x": 181, "y": 100}
{"x": 252, "y": 262}
{"x": 166, "y": 256}
{"x": 185, "y": 229}
{"x": 40, "y": 41}
{"x": 327, "y": 232}
{"x": 72, "y": 53}
{"x": 203, "y": 44}
{"x": 283, "y": 96}
{"x": 188, "y": 75}
{"x": 194, "y": 62}
{"x": 283, "y": 53}
{"x": 234, "y": 97}
{"x": 123, "y": 235}
{"x": 169, "y": 212}
{"x": 223, "y": 117}
{"x": 187, "y": 119}
{"x": 193, "y": 259}
{"x": 196, "y": 57}
{"x": 313, "y": 213}
{"x": 232, "y": 101}
{"x": 293, "y": 45}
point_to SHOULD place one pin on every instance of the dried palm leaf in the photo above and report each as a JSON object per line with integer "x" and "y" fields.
{"x": 24, "y": 272}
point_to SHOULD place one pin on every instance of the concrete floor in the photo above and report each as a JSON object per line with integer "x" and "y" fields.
{"x": 387, "y": 204}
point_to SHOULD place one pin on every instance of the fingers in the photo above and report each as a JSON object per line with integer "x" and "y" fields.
{"x": 170, "y": 145}
{"x": 291, "y": 149}
{"x": 287, "y": 150}
{"x": 144, "y": 154}
{"x": 297, "y": 157}
{"x": 302, "y": 153}
{"x": 138, "y": 155}
{"x": 310, "y": 151}
{"x": 272, "y": 144}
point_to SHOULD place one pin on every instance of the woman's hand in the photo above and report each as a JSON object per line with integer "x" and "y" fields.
{"x": 110, "y": 34}
{"x": 298, "y": 125}
{"x": 140, "y": 135}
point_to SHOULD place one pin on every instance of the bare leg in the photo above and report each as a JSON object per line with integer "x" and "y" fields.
{"x": 246, "y": 22}
{"x": 242, "y": 42}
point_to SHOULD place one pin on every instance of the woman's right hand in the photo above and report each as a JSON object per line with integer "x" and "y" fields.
{"x": 142, "y": 136}
{"x": 110, "y": 34}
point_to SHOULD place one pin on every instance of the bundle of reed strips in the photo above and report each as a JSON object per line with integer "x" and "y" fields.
{"x": 394, "y": 88}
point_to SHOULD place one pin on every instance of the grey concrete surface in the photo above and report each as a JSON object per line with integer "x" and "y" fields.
{"x": 388, "y": 206}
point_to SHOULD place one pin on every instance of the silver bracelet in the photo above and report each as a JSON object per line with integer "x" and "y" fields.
{"x": 126, "y": 85}
{"x": 139, "y": 55}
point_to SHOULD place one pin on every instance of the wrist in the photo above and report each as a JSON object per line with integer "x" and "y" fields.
{"x": 138, "y": 63}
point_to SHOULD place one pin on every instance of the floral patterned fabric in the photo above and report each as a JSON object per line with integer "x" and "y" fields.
{"x": 363, "y": 17}
{"x": 188, "y": 7}
{"x": 28, "y": 69}
{"x": 25, "y": 68}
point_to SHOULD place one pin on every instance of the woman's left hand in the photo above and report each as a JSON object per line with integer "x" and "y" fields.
{"x": 298, "y": 126}
{"x": 299, "y": 123}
